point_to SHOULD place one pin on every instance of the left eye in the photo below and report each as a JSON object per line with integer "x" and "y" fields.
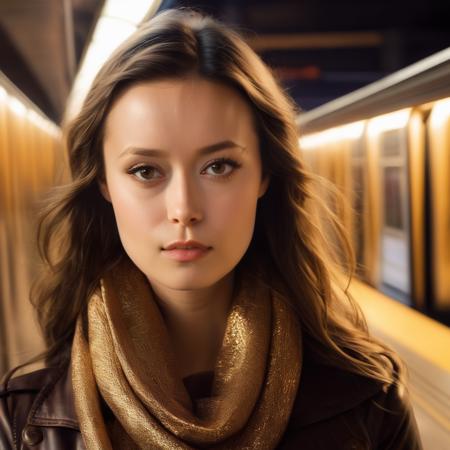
{"x": 219, "y": 166}
{"x": 144, "y": 173}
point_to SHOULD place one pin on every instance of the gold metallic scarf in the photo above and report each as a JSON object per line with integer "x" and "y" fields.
{"x": 128, "y": 362}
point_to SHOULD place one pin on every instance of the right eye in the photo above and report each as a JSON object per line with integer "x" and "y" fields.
{"x": 144, "y": 173}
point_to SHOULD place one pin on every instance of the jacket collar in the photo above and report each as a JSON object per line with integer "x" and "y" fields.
{"x": 54, "y": 405}
{"x": 324, "y": 392}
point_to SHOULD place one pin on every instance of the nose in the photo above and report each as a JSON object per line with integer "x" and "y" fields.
{"x": 183, "y": 201}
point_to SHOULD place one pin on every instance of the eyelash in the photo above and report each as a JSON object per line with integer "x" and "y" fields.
{"x": 228, "y": 161}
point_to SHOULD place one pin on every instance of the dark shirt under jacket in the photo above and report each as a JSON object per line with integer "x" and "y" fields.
{"x": 333, "y": 410}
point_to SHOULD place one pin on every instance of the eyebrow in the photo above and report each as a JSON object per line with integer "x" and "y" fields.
{"x": 202, "y": 151}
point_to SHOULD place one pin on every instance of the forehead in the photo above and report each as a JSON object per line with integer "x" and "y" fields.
{"x": 192, "y": 110}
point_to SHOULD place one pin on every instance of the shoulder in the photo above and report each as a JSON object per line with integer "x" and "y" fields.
{"x": 336, "y": 408}
{"x": 326, "y": 391}
{"x": 18, "y": 389}
{"x": 33, "y": 381}
{"x": 390, "y": 416}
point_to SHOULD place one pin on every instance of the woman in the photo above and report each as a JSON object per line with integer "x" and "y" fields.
{"x": 191, "y": 300}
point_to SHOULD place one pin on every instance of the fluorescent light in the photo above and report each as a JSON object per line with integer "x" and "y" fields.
{"x": 34, "y": 117}
{"x": 110, "y": 32}
{"x": 43, "y": 123}
{"x": 3, "y": 94}
{"x": 351, "y": 131}
{"x": 17, "y": 106}
{"x": 118, "y": 20}
{"x": 440, "y": 113}
{"x": 392, "y": 121}
{"x": 131, "y": 11}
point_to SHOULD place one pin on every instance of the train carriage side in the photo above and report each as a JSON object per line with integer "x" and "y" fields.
{"x": 387, "y": 148}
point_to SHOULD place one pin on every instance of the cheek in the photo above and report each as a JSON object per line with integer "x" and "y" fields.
{"x": 132, "y": 211}
{"x": 234, "y": 214}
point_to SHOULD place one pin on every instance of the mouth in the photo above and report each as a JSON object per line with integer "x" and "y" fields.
{"x": 186, "y": 254}
{"x": 184, "y": 251}
{"x": 186, "y": 245}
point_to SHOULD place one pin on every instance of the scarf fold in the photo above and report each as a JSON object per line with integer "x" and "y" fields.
{"x": 128, "y": 362}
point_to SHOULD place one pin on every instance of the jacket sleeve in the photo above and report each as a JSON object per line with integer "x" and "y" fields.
{"x": 394, "y": 424}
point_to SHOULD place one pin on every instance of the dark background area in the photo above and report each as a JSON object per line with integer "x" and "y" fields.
{"x": 319, "y": 49}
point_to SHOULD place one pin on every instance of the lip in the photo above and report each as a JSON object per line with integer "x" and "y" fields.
{"x": 180, "y": 254}
{"x": 173, "y": 250}
{"x": 191, "y": 243}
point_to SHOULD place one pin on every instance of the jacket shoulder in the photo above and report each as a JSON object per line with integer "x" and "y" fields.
{"x": 33, "y": 381}
{"x": 335, "y": 405}
{"x": 17, "y": 398}
{"x": 326, "y": 391}
{"x": 391, "y": 418}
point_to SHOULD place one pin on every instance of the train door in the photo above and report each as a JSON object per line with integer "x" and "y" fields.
{"x": 388, "y": 135}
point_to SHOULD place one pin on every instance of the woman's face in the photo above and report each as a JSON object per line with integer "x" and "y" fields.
{"x": 182, "y": 163}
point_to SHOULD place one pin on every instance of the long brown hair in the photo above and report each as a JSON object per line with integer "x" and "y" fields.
{"x": 78, "y": 237}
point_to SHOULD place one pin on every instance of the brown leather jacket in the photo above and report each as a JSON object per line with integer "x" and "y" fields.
{"x": 333, "y": 410}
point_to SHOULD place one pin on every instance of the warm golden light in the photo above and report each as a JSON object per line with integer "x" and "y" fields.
{"x": 3, "y": 95}
{"x": 130, "y": 11}
{"x": 116, "y": 23}
{"x": 16, "y": 103}
{"x": 17, "y": 107}
{"x": 351, "y": 131}
{"x": 440, "y": 113}
{"x": 42, "y": 123}
{"x": 392, "y": 121}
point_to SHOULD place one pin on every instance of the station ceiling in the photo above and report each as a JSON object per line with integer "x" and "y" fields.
{"x": 320, "y": 49}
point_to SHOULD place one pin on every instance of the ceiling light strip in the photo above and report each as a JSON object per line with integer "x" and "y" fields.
{"x": 116, "y": 23}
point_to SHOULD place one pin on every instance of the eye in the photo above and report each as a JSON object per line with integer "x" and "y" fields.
{"x": 219, "y": 167}
{"x": 144, "y": 173}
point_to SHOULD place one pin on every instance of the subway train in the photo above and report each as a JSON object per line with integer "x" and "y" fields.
{"x": 387, "y": 149}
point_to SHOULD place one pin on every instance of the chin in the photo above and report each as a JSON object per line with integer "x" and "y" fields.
{"x": 182, "y": 284}
{"x": 189, "y": 280}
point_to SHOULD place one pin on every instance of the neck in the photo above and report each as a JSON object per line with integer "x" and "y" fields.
{"x": 196, "y": 321}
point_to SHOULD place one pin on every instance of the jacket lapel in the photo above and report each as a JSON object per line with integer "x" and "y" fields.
{"x": 54, "y": 405}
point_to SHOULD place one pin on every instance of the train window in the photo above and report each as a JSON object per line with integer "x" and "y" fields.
{"x": 390, "y": 143}
{"x": 393, "y": 208}
{"x": 357, "y": 148}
